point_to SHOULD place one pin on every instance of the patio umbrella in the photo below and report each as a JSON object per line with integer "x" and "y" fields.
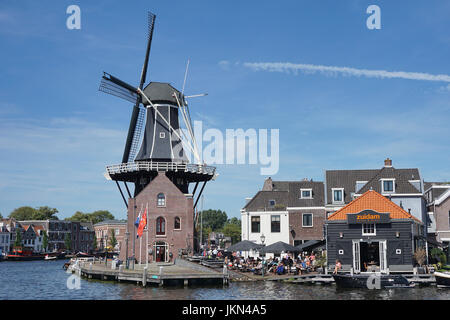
{"x": 311, "y": 244}
{"x": 244, "y": 245}
{"x": 278, "y": 247}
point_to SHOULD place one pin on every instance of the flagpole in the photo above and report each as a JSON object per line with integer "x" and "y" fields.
{"x": 146, "y": 253}
{"x": 140, "y": 250}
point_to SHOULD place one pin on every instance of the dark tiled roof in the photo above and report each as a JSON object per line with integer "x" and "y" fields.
{"x": 287, "y": 194}
{"x": 111, "y": 222}
{"x": 347, "y": 179}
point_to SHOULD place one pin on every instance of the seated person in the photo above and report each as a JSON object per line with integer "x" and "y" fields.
{"x": 280, "y": 269}
{"x": 337, "y": 267}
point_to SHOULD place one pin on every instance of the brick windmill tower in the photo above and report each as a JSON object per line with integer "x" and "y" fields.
{"x": 158, "y": 168}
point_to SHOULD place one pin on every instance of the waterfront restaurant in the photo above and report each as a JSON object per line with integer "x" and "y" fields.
{"x": 372, "y": 233}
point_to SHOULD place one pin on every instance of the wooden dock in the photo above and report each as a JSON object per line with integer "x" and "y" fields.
{"x": 180, "y": 273}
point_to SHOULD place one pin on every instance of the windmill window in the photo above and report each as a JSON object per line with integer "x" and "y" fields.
{"x": 161, "y": 200}
{"x": 162, "y": 135}
{"x": 160, "y": 226}
{"x": 177, "y": 223}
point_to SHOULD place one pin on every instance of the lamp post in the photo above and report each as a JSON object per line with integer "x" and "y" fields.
{"x": 127, "y": 235}
{"x": 263, "y": 263}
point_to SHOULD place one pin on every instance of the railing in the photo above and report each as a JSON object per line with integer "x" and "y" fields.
{"x": 159, "y": 166}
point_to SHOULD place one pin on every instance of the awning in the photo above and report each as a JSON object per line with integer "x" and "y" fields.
{"x": 278, "y": 247}
{"x": 311, "y": 244}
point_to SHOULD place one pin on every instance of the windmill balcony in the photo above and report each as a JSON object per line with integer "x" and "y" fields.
{"x": 159, "y": 166}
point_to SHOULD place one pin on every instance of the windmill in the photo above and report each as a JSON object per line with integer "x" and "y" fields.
{"x": 156, "y": 110}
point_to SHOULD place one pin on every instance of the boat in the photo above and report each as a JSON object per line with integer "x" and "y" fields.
{"x": 371, "y": 281}
{"x": 24, "y": 254}
{"x": 442, "y": 279}
{"x": 47, "y": 257}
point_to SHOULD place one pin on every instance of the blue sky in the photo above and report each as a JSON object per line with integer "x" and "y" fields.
{"x": 58, "y": 132}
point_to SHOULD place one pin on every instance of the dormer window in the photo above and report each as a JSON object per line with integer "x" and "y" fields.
{"x": 387, "y": 185}
{"x": 272, "y": 203}
{"x": 338, "y": 195}
{"x": 306, "y": 194}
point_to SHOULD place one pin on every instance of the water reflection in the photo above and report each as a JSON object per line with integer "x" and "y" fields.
{"x": 47, "y": 280}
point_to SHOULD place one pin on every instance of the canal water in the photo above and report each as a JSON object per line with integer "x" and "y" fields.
{"x": 46, "y": 280}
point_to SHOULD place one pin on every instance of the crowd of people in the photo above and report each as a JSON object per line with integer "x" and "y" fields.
{"x": 286, "y": 263}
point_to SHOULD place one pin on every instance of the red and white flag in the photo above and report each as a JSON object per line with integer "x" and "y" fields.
{"x": 142, "y": 223}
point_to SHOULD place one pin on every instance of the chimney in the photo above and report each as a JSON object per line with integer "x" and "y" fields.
{"x": 388, "y": 162}
{"x": 268, "y": 184}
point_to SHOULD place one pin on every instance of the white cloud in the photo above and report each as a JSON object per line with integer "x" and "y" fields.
{"x": 287, "y": 67}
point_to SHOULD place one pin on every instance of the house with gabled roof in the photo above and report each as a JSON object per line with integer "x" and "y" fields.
{"x": 288, "y": 211}
{"x": 437, "y": 195}
{"x": 402, "y": 186}
{"x": 372, "y": 233}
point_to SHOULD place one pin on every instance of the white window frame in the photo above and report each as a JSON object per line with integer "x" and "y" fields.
{"x": 310, "y": 194}
{"x": 369, "y": 234}
{"x": 162, "y": 135}
{"x": 312, "y": 220}
{"x": 382, "y": 185}
{"x": 332, "y": 195}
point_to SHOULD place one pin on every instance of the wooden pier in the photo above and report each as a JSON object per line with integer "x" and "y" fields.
{"x": 180, "y": 273}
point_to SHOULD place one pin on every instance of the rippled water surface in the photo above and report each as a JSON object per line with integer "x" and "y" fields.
{"x": 47, "y": 280}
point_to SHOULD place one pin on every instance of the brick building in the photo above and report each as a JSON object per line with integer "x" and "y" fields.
{"x": 170, "y": 218}
{"x": 103, "y": 233}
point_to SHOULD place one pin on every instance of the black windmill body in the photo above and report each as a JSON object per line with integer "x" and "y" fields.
{"x": 161, "y": 149}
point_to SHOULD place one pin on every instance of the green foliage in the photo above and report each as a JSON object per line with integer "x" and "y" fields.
{"x": 18, "y": 241}
{"x": 68, "y": 241}
{"x": 94, "y": 217}
{"x": 232, "y": 228}
{"x": 439, "y": 255}
{"x": 1, "y": 216}
{"x": 321, "y": 260}
{"x": 29, "y": 213}
{"x": 113, "y": 240}
{"x": 214, "y": 219}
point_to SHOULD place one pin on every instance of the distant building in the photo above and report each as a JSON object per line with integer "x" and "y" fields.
{"x": 219, "y": 240}
{"x": 437, "y": 195}
{"x": 4, "y": 239}
{"x": 104, "y": 228}
{"x": 288, "y": 211}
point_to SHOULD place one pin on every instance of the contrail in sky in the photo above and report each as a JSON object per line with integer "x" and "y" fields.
{"x": 287, "y": 67}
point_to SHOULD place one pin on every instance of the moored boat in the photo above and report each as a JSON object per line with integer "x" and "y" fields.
{"x": 371, "y": 281}
{"x": 442, "y": 279}
{"x": 48, "y": 257}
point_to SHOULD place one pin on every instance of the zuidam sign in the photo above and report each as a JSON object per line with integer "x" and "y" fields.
{"x": 368, "y": 216}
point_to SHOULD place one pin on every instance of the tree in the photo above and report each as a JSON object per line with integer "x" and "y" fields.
{"x": 232, "y": 228}
{"x": 18, "y": 241}
{"x": 45, "y": 213}
{"x": 45, "y": 241}
{"x": 101, "y": 215}
{"x": 22, "y": 213}
{"x": 420, "y": 256}
{"x": 29, "y": 213}
{"x": 113, "y": 240}
{"x": 68, "y": 241}
{"x": 80, "y": 217}
{"x": 214, "y": 219}
{"x": 1, "y": 216}
{"x": 94, "y": 217}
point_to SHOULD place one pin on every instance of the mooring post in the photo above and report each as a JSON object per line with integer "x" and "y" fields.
{"x": 144, "y": 277}
{"x": 351, "y": 271}
{"x": 90, "y": 266}
{"x": 415, "y": 270}
{"x": 161, "y": 272}
{"x": 387, "y": 271}
{"x": 121, "y": 268}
